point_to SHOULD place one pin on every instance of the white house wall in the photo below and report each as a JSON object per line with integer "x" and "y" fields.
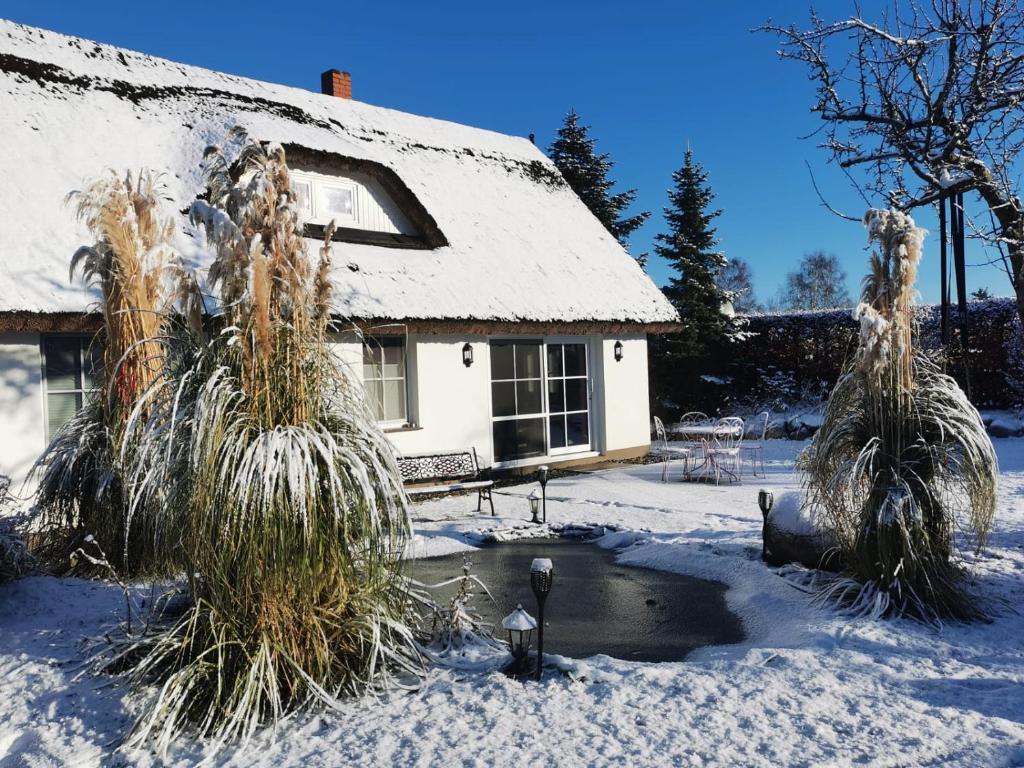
{"x": 22, "y": 433}
{"x": 626, "y": 413}
{"x": 449, "y": 403}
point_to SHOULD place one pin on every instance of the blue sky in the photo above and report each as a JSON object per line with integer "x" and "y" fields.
{"x": 650, "y": 78}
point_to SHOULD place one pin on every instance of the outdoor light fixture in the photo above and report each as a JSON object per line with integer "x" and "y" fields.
{"x": 542, "y": 472}
{"x": 467, "y": 354}
{"x": 542, "y": 572}
{"x": 534, "y": 507}
{"x": 519, "y": 625}
{"x": 765, "y": 499}
{"x": 618, "y": 351}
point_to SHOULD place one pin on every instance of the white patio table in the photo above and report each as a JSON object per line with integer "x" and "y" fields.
{"x": 704, "y": 433}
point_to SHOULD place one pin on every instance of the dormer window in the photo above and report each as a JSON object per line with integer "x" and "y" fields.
{"x": 321, "y": 200}
{"x": 367, "y": 201}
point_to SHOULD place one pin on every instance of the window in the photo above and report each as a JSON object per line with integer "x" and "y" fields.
{"x": 384, "y": 376}
{"x": 568, "y": 396}
{"x": 322, "y": 199}
{"x": 70, "y": 364}
{"x": 517, "y": 399}
{"x": 540, "y": 398}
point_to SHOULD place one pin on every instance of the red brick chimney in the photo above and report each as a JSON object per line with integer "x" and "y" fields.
{"x": 335, "y": 83}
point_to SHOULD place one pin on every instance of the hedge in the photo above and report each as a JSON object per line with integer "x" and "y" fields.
{"x": 786, "y": 358}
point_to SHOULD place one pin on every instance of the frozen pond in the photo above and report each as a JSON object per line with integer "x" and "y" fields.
{"x": 595, "y": 606}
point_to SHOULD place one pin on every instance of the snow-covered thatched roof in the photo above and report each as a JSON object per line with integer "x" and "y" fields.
{"x": 521, "y": 247}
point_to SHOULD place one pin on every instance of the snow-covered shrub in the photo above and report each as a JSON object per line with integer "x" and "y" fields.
{"x": 258, "y": 468}
{"x": 140, "y": 278}
{"x": 1013, "y": 348}
{"x": 902, "y": 458}
{"x": 456, "y": 623}
{"x": 15, "y": 559}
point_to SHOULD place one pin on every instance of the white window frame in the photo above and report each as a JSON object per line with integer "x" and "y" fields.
{"x": 84, "y": 341}
{"x": 317, "y": 181}
{"x": 576, "y": 451}
{"x": 403, "y": 343}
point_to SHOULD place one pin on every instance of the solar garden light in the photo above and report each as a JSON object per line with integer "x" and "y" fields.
{"x": 542, "y": 471}
{"x": 542, "y": 573}
{"x": 765, "y": 499}
{"x": 534, "y": 506}
{"x": 519, "y": 625}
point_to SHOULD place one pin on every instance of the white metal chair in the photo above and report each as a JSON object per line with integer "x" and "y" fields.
{"x": 723, "y": 453}
{"x": 694, "y": 417}
{"x": 753, "y": 450}
{"x": 667, "y": 452}
{"x": 697, "y": 440}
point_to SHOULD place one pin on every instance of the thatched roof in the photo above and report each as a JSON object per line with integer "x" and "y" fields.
{"x": 505, "y": 239}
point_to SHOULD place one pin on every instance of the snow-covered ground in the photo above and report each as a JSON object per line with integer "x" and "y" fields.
{"x": 806, "y": 688}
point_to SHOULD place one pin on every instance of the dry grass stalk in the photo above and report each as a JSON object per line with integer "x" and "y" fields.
{"x": 140, "y": 279}
{"x": 902, "y": 458}
{"x": 261, "y": 469}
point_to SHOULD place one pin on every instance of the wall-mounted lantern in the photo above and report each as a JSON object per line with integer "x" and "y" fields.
{"x": 467, "y": 354}
{"x": 618, "y": 351}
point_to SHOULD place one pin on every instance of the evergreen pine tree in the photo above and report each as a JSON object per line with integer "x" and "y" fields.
{"x": 574, "y": 154}
{"x": 688, "y": 246}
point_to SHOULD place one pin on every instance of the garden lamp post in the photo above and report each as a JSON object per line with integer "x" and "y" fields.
{"x": 765, "y": 499}
{"x": 534, "y": 507}
{"x": 519, "y": 625}
{"x": 542, "y": 471}
{"x": 542, "y": 573}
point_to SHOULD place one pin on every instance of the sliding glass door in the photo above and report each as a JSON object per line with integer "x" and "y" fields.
{"x": 540, "y": 398}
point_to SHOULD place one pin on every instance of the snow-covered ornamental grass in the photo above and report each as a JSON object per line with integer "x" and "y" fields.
{"x": 143, "y": 284}
{"x": 902, "y": 457}
{"x": 807, "y": 687}
{"x": 251, "y": 464}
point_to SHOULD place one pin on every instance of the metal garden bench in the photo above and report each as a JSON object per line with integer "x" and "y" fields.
{"x": 445, "y": 472}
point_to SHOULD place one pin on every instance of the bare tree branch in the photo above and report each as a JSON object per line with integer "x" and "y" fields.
{"x": 926, "y": 101}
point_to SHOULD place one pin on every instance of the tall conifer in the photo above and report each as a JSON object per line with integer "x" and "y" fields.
{"x": 574, "y": 153}
{"x": 689, "y": 247}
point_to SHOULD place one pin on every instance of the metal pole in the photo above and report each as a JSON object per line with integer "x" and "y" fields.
{"x": 540, "y": 636}
{"x": 960, "y": 269}
{"x": 944, "y": 274}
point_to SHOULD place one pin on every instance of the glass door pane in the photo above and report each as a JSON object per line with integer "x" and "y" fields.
{"x": 568, "y": 397}
{"x": 517, "y": 400}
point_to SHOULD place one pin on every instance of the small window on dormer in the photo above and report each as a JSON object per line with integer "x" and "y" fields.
{"x": 362, "y": 210}
{"x": 321, "y": 199}
{"x": 336, "y": 202}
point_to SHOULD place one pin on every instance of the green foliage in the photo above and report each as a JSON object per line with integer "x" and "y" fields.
{"x": 688, "y": 246}
{"x": 574, "y": 153}
{"x": 15, "y": 559}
